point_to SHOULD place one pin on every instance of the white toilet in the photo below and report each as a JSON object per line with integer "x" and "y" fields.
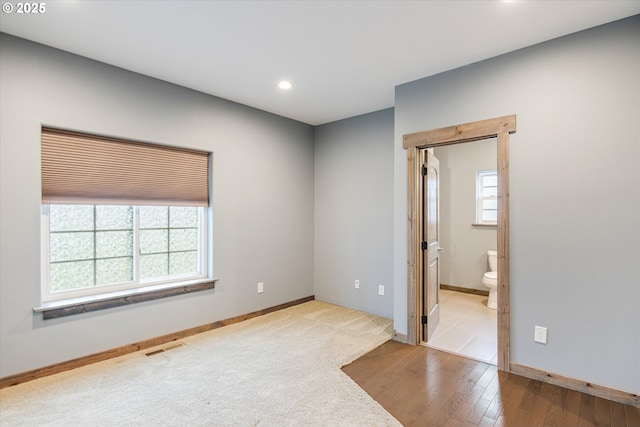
{"x": 490, "y": 279}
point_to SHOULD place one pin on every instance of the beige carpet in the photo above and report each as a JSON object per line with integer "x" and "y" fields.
{"x": 282, "y": 369}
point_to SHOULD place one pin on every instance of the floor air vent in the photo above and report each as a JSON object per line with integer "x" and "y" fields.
{"x": 162, "y": 350}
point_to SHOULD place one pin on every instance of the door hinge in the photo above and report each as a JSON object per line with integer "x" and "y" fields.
{"x": 425, "y": 171}
{"x": 424, "y": 246}
{"x": 424, "y": 320}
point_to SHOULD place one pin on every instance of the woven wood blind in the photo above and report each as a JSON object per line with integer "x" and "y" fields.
{"x": 87, "y": 169}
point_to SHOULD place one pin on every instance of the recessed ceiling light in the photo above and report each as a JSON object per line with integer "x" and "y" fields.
{"x": 284, "y": 85}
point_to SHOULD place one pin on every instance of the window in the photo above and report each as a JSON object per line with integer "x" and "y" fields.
{"x": 92, "y": 249}
{"x": 487, "y": 197}
{"x": 120, "y": 215}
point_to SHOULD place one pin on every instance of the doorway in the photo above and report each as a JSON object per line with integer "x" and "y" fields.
{"x": 468, "y": 231}
{"x": 423, "y": 297}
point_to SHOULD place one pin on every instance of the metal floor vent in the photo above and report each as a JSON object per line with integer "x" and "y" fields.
{"x": 162, "y": 350}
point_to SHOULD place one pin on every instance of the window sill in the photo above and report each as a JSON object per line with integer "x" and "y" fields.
{"x": 68, "y": 307}
{"x": 485, "y": 225}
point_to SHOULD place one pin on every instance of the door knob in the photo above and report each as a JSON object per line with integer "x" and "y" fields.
{"x": 440, "y": 249}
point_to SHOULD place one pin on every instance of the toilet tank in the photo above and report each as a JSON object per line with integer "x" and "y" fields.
{"x": 493, "y": 260}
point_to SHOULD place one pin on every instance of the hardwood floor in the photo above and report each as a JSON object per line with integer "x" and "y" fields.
{"x": 422, "y": 386}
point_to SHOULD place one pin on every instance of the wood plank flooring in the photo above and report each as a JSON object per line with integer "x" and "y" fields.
{"x": 421, "y": 386}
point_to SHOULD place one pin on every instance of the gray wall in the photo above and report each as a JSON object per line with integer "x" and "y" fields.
{"x": 354, "y": 212}
{"x": 262, "y": 199}
{"x": 464, "y": 259}
{"x": 575, "y": 193}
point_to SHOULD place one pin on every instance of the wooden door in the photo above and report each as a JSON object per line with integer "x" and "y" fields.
{"x": 431, "y": 245}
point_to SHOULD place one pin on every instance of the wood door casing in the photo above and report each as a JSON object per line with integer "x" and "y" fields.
{"x": 499, "y": 127}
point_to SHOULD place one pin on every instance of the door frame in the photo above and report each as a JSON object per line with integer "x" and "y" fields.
{"x": 499, "y": 128}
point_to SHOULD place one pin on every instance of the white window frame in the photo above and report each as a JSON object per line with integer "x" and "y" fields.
{"x": 480, "y": 197}
{"x": 135, "y": 285}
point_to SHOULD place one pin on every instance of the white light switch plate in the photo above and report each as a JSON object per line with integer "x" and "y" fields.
{"x": 381, "y": 290}
{"x": 260, "y": 287}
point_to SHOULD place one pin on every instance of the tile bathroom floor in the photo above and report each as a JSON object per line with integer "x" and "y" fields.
{"x": 467, "y": 327}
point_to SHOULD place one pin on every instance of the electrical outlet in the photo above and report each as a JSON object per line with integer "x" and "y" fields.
{"x": 540, "y": 335}
{"x": 260, "y": 287}
{"x": 357, "y": 284}
{"x": 381, "y": 290}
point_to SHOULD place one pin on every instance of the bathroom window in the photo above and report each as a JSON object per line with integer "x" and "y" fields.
{"x": 487, "y": 197}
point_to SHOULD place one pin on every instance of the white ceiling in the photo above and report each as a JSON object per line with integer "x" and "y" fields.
{"x": 344, "y": 58}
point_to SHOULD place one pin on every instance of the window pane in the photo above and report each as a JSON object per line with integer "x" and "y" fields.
{"x": 154, "y": 216}
{"x": 184, "y": 239}
{"x": 114, "y": 217}
{"x": 489, "y": 192}
{"x": 183, "y": 262}
{"x": 490, "y": 180}
{"x": 71, "y": 246}
{"x": 154, "y": 241}
{"x": 490, "y": 204}
{"x": 114, "y": 270}
{"x": 154, "y": 266}
{"x": 489, "y": 216}
{"x": 70, "y": 217}
{"x": 183, "y": 216}
{"x": 97, "y": 245}
{"x": 114, "y": 244}
{"x": 71, "y": 275}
